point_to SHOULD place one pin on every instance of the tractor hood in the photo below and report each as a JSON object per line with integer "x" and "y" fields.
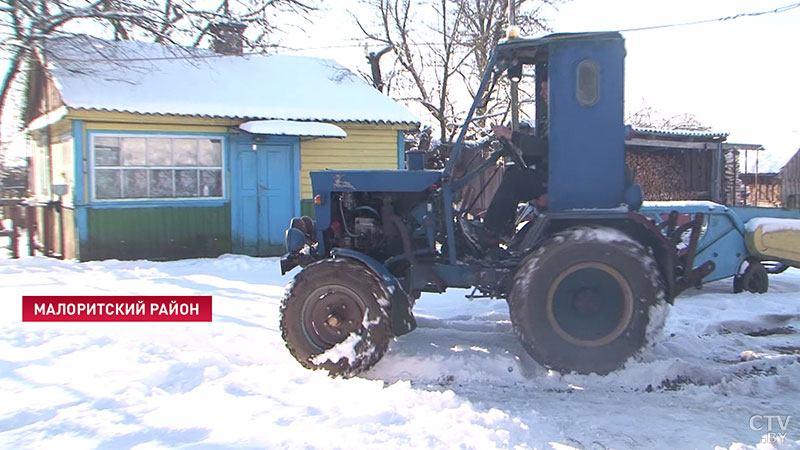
{"x": 373, "y": 180}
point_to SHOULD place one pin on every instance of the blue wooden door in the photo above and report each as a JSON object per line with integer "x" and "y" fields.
{"x": 274, "y": 189}
{"x": 264, "y": 198}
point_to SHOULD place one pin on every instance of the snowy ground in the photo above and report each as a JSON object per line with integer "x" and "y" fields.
{"x": 460, "y": 380}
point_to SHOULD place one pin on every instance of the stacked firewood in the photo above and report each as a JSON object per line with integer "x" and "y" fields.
{"x": 661, "y": 175}
{"x": 733, "y": 188}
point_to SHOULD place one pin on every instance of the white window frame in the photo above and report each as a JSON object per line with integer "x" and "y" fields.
{"x": 156, "y": 135}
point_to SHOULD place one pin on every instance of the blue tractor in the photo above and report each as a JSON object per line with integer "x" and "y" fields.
{"x": 588, "y": 281}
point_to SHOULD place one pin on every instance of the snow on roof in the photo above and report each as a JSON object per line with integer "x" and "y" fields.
{"x": 696, "y": 205}
{"x": 293, "y": 128}
{"x": 775, "y": 161}
{"x": 679, "y": 134}
{"x": 772, "y": 224}
{"x": 47, "y": 119}
{"x": 149, "y": 78}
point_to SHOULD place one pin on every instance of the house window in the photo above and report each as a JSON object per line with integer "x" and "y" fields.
{"x": 150, "y": 167}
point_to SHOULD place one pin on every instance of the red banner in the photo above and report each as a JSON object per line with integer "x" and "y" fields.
{"x": 116, "y": 308}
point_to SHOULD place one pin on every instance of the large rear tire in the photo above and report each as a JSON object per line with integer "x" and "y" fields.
{"x": 587, "y": 300}
{"x": 334, "y": 316}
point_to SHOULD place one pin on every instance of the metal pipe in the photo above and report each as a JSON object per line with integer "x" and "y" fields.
{"x": 395, "y": 220}
{"x": 404, "y": 237}
{"x": 448, "y": 169}
{"x": 514, "y": 105}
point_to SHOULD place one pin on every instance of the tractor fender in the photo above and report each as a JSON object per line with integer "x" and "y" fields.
{"x": 400, "y": 314}
{"x": 632, "y": 223}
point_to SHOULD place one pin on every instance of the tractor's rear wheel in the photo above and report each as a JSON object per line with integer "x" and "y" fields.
{"x": 587, "y": 300}
{"x": 332, "y": 317}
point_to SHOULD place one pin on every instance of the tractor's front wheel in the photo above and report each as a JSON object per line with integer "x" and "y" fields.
{"x": 334, "y": 316}
{"x": 587, "y": 300}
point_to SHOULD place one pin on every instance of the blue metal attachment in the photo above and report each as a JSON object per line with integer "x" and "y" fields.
{"x": 722, "y": 234}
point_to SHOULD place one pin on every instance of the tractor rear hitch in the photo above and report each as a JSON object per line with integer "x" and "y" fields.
{"x": 691, "y": 277}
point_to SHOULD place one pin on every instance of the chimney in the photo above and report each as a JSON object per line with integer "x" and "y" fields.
{"x": 227, "y": 37}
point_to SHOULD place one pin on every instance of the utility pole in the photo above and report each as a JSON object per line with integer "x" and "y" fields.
{"x": 512, "y": 23}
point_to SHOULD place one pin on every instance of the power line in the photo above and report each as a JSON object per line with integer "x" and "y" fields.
{"x": 778, "y": 10}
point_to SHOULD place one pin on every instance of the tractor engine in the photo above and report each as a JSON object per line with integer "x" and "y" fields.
{"x": 379, "y": 224}
{"x": 356, "y": 222}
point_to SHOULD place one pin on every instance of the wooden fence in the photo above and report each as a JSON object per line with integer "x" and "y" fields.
{"x": 23, "y": 218}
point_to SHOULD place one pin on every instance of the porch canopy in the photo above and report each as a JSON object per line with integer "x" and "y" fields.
{"x": 293, "y": 128}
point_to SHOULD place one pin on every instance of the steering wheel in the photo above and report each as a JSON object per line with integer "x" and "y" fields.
{"x": 511, "y": 150}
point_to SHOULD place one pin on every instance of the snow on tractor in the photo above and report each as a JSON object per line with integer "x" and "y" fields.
{"x": 588, "y": 280}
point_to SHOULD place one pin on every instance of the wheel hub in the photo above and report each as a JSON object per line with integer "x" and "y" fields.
{"x": 586, "y": 301}
{"x": 590, "y": 304}
{"x": 333, "y": 321}
{"x": 332, "y": 314}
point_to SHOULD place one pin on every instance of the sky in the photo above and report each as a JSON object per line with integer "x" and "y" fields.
{"x": 737, "y": 76}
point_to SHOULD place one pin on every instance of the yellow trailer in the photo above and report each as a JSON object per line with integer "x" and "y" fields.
{"x": 774, "y": 239}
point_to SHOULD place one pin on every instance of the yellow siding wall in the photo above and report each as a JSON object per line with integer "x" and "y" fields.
{"x": 59, "y": 158}
{"x": 116, "y": 126}
{"x": 109, "y": 120}
{"x": 365, "y": 147}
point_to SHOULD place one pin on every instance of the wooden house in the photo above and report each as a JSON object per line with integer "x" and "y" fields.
{"x": 762, "y": 189}
{"x": 790, "y": 182}
{"x": 140, "y": 150}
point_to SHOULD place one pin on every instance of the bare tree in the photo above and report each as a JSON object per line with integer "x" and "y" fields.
{"x": 26, "y": 25}
{"x": 649, "y": 117}
{"x": 442, "y": 46}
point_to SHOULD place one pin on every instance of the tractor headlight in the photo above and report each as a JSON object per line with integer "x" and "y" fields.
{"x": 295, "y": 240}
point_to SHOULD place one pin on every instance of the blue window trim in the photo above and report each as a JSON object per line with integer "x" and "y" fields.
{"x": 79, "y": 189}
{"x": 176, "y": 203}
{"x": 401, "y": 150}
{"x": 155, "y": 203}
{"x": 296, "y": 201}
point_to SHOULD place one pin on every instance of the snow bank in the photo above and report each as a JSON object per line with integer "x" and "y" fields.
{"x": 461, "y": 380}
